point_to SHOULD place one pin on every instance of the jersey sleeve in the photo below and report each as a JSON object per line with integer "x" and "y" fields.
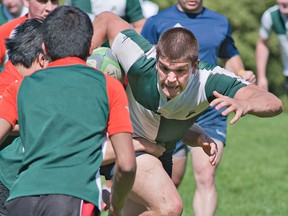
{"x": 8, "y": 104}
{"x": 134, "y": 11}
{"x": 119, "y": 116}
{"x": 224, "y": 82}
{"x": 266, "y": 25}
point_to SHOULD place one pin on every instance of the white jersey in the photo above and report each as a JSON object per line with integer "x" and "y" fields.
{"x": 153, "y": 116}
{"x": 272, "y": 18}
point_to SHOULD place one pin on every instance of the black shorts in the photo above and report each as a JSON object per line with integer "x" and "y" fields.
{"x": 4, "y": 193}
{"x": 50, "y": 204}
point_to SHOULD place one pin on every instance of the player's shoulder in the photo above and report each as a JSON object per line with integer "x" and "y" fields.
{"x": 216, "y": 16}
{"x": 272, "y": 9}
{"x": 8, "y": 27}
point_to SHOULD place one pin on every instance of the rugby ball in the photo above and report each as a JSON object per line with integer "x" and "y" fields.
{"x": 104, "y": 59}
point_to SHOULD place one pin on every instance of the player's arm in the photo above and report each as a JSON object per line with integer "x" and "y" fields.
{"x": 139, "y": 144}
{"x": 235, "y": 65}
{"x": 125, "y": 169}
{"x": 5, "y": 129}
{"x": 138, "y": 25}
{"x": 106, "y": 27}
{"x": 120, "y": 134}
{"x": 8, "y": 111}
{"x": 249, "y": 99}
{"x": 196, "y": 136}
{"x": 262, "y": 55}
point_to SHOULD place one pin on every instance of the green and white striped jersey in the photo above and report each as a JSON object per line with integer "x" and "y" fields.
{"x": 154, "y": 117}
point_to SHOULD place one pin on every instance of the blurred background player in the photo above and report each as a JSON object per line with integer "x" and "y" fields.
{"x": 36, "y": 9}
{"x": 274, "y": 18}
{"x": 214, "y": 36}
{"x": 11, "y": 9}
{"x": 132, "y": 11}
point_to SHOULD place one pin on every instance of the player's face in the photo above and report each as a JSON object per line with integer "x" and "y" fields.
{"x": 283, "y": 6}
{"x": 13, "y": 6}
{"x": 40, "y": 8}
{"x": 190, "y": 6}
{"x": 174, "y": 76}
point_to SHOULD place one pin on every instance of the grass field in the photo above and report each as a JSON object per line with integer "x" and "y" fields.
{"x": 252, "y": 179}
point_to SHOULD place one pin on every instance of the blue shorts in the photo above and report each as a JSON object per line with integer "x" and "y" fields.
{"x": 213, "y": 123}
{"x": 166, "y": 160}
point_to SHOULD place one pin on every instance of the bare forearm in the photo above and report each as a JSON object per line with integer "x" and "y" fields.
{"x": 139, "y": 144}
{"x": 191, "y": 138}
{"x": 125, "y": 169}
{"x": 259, "y": 102}
{"x": 234, "y": 64}
{"x": 5, "y": 129}
{"x": 106, "y": 26}
{"x": 262, "y": 54}
{"x": 122, "y": 185}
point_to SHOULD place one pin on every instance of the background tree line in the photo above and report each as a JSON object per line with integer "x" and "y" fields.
{"x": 244, "y": 17}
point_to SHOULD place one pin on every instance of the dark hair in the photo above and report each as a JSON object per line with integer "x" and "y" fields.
{"x": 67, "y": 31}
{"x": 25, "y": 45}
{"x": 178, "y": 44}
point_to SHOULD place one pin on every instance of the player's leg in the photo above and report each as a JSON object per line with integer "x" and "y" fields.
{"x": 153, "y": 189}
{"x": 179, "y": 163}
{"x": 286, "y": 85}
{"x": 205, "y": 197}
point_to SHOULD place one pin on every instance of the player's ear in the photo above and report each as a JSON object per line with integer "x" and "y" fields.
{"x": 41, "y": 60}
{"x": 44, "y": 48}
{"x": 195, "y": 66}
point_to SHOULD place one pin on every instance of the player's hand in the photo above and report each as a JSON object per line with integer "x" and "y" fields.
{"x": 155, "y": 149}
{"x": 263, "y": 83}
{"x": 231, "y": 105}
{"x": 209, "y": 147}
{"x": 249, "y": 76}
{"x": 106, "y": 193}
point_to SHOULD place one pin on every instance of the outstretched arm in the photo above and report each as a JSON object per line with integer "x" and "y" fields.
{"x": 106, "y": 26}
{"x": 248, "y": 100}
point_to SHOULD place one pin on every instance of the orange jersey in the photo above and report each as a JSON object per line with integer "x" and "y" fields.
{"x": 8, "y": 76}
{"x": 8, "y": 103}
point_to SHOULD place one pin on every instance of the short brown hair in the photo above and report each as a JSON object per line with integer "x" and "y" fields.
{"x": 178, "y": 44}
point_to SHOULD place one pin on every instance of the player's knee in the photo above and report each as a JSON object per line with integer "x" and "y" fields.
{"x": 176, "y": 180}
{"x": 205, "y": 179}
{"x": 175, "y": 207}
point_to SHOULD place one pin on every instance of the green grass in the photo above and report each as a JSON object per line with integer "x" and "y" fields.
{"x": 252, "y": 178}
